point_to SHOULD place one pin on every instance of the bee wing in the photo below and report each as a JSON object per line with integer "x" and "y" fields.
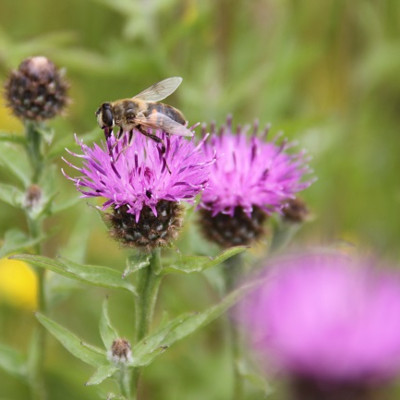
{"x": 157, "y": 120}
{"x": 160, "y": 90}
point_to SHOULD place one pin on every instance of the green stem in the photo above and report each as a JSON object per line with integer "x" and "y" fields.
{"x": 233, "y": 271}
{"x": 124, "y": 382}
{"x": 37, "y": 348}
{"x": 33, "y": 149}
{"x": 284, "y": 232}
{"x": 147, "y": 285}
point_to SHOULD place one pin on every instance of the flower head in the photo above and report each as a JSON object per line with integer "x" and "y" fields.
{"x": 37, "y": 91}
{"x": 252, "y": 179}
{"x": 142, "y": 192}
{"x": 327, "y": 317}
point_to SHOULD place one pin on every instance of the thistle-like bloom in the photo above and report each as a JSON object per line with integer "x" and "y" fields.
{"x": 330, "y": 322}
{"x": 143, "y": 187}
{"x": 37, "y": 91}
{"x": 252, "y": 179}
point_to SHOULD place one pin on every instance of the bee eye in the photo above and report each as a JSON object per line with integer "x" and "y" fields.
{"x": 107, "y": 117}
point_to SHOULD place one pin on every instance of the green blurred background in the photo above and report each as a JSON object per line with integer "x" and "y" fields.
{"x": 327, "y": 73}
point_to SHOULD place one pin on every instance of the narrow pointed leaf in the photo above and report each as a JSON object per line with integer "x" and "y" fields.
{"x": 62, "y": 205}
{"x": 136, "y": 262}
{"x": 76, "y": 246}
{"x": 12, "y": 137}
{"x": 72, "y": 343}
{"x": 152, "y": 345}
{"x": 11, "y": 361}
{"x": 102, "y": 373}
{"x": 201, "y": 319}
{"x": 90, "y": 274}
{"x": 156, "y": 343}
{"x": 99, "y": 276}
{"x": 13, "y": 160}
{"x": 11, "y": 195}
{"x": 195, "y": 264}
{"x": 107, "y": 332}
{"x": 16, "y": 240}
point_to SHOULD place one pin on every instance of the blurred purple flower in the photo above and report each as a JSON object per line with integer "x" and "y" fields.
{"x": 251, "y": 172}
{"x": 139, "y": 177}
{"x": 328, "y": 317}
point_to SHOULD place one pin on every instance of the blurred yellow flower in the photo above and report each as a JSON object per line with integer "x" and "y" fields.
{"x": 18, "y": 284}
{"x": 9, "y": 123}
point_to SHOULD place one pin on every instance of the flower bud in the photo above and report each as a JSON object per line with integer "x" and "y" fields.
{"x": 33, "y": 196}
{"x": 295, "y": 210}
{"x": 37, "y": 91}
{"x": 120, "y": 351}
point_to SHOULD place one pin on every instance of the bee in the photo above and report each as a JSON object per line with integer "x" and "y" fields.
{"x": 144, "y": 111}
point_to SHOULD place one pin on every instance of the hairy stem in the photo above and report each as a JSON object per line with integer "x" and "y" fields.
{"x": 147, "y": 285}
{"x": 37, "y": 348}
{"x": 233, "y": 270}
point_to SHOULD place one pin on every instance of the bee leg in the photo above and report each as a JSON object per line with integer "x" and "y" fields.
{"x": 128, "y": 143}
{"x": 157, "y": 140}
{"x": 119, "y": 136}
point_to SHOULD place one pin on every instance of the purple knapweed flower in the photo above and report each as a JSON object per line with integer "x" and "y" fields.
{"x": 329, "y": 322}
{"x": 142, "y": 186}
{"x": 252, "y": 179}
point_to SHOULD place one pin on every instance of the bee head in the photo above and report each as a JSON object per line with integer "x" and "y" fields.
{"x": 105, "y": 116}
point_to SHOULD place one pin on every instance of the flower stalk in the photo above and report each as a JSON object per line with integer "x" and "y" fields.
{"x": 35, "y": 226}
{"x": 147, "y": 285}
{"x": 35, "y": 93}
{"x": 232, "y": 271}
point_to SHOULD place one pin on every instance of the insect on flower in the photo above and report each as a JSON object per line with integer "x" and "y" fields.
{"x": 144, "y": 111}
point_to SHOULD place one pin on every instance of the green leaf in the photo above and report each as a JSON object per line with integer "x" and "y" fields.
{"x": 257, "y": 380}
{"x": 76, "y": 246}
{"x": 153, "y": 345}
{"x": 136, "y": 262}
{"x": 11, "y": 195}
{"x": 156, "y": 343}
{"x": 99, "y": 276}
{"x": 15, "y": 162}
{"x": 72, "y": 343}
{"x": 112, "y": 396}
{"x": 16, "y": 240}
{"x": 195, "y": 264}
{"x": 90, "y": 274}
{"x": 65, "y": 204}
{"x": 46, "y": 132}
{"x": 12, "y": 138}
{"x": 102, "y": 373}
{"x": 12, "y": 361}
{"x": 107, "y": 332}
{"x": 201, "y": 319}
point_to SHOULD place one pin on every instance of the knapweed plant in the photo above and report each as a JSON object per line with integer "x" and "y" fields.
{"x": 235, "y": 181}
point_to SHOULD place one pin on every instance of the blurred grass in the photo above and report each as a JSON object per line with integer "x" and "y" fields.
{"x": 327, "y": 73}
